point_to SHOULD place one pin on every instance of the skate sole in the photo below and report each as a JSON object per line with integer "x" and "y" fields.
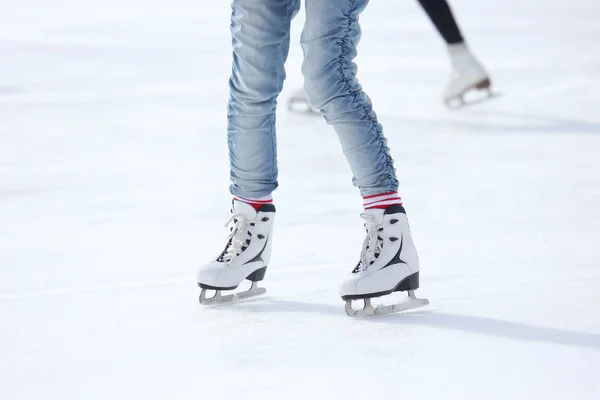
{"x": 218, "y": 298}
{"x": 255, "y": 276}
{"x": 408, "y": 284}
{"x": 411, "y": 282}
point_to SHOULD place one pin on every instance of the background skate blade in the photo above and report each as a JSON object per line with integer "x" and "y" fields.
{"x": 299, "y": 105}
{"x": 456, "y": 104}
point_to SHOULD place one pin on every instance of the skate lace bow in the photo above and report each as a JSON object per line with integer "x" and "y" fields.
{"x": 372, "y": 243}
{"x": 237, "y": 237}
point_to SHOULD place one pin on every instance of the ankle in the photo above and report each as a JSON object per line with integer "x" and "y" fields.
{"x": 382, "y": 200}
{"x": 255, "y": 202}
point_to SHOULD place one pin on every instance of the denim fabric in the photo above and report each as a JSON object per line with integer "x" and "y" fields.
{"x": 261, "y": 35}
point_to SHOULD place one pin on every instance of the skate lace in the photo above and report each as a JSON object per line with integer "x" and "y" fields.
{"x": 372, "y": 245}
{"x": 239, "y": 237}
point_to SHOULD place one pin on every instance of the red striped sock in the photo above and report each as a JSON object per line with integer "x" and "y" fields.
{"x": 382, "y": 200}
{"x": 256, "y": 203}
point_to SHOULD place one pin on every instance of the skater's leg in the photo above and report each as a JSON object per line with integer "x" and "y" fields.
{"x": 441, "y": 16}
{"x": 260, "y": 32}
{"x": 388, "y": 261}
{"x": 329, "y": 40}
{"x": 467, "y": 73}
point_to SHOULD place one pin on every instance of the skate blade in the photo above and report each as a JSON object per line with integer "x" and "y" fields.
{"x": 299, "y": 105}
{"x": 218, "y": 298}
{"x": 368, "y": 310}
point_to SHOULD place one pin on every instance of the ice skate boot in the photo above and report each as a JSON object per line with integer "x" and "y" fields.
{"x": 298, "y": 104}
{"x": 388, "y": 263}
{"x": 246, "y": 255}
{"x": 467, "y": 75}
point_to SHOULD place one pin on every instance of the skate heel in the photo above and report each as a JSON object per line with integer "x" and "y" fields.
{"x": 411, "y": 282}
{"x": 257, "y": 275}
{"x": 484, "y": 84}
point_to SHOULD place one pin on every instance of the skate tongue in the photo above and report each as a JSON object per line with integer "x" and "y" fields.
{"x": 376, "y": 213}
{"x": 239, "y": 207}
{"x": 379, "y": 213}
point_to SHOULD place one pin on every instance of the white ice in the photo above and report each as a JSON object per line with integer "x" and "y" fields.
{"x": 113, "y": 190}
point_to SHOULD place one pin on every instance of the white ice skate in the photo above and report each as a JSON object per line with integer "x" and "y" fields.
{"x": 388, "y": 263}
{"x": 246, "y": 255}
{"x": 298, "y": 103}
{"x": 467, "y": 75}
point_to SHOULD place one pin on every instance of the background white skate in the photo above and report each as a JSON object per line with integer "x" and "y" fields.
{"x": 113, "y": 190}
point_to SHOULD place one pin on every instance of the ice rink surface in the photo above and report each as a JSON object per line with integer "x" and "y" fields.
{"x": 113, "y": 190}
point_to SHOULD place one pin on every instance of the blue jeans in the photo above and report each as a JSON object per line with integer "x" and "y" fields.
{"x": 261, "y": 36}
